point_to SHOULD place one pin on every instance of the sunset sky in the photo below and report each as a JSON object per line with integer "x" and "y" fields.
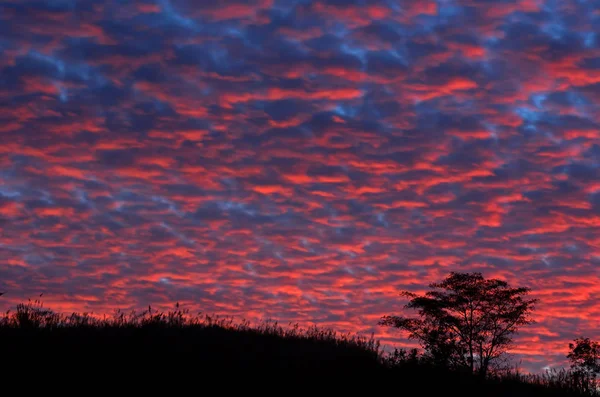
{"x": 302, "y": 160}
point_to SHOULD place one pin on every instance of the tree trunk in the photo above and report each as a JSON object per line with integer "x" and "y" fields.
{"x": 471, "y": 357}
{"x": 483, "y": 370}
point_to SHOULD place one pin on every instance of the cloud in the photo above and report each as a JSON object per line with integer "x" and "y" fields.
{"x": 301, "y": 160}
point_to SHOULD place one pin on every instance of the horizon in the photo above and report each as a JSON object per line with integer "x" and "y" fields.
{"x": 302, "y": 160}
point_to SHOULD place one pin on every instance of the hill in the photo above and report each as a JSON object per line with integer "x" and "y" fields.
{"x": 154, "y": 349}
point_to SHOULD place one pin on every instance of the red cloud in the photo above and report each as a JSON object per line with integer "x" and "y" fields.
{"x": 304, "y": 162}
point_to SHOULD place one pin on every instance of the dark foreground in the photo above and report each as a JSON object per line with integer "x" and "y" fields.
{"x": 174, "y": 353}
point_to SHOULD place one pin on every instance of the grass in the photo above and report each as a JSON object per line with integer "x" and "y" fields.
{"x": 158, "y": 349}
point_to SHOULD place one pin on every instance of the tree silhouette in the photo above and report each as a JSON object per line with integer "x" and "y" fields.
{"x": 584, "y": 356}
{"x": 466, "y": 321}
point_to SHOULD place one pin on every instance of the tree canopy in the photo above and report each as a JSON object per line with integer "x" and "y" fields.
{"x": 466, "y": 320}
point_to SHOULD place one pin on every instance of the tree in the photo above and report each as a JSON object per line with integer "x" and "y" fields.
{"x": 466, "y": 321}
{"x": 584, "y": 356}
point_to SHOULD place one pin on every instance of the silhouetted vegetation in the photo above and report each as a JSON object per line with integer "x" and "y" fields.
{"x": 584, "y": 355}
{"x": 466, "y": 322}
{"x": 151, "y": 348}
{"x": 179, "y": 341}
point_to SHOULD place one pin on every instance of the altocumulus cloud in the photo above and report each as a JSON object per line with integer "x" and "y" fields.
{"x": 302, "y": 160}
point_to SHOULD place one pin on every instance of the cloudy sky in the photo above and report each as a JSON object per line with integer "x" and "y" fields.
{"x": 302, "y": 160}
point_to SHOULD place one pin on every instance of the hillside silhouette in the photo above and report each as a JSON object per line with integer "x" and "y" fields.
{"x": 144, "y": 348}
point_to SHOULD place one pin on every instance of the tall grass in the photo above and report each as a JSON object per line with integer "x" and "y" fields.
{"x": 185, "y": 345}
{"x": 559, "y": 380}
{"x": 33, "y": 315}
{"x": 178, "y": 340}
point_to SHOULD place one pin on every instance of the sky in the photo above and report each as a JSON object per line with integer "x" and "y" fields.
{"x": 302, "y": 160}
